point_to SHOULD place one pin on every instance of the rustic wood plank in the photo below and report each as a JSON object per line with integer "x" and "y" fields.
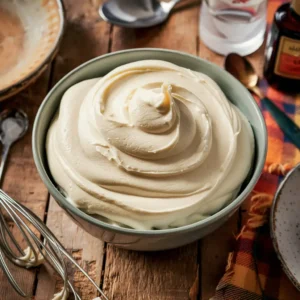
{"x": 170, "y": 274}
{"x": 206, "y": 53}
{"x": 162, "y": 275}
{"x": 22, "y": 181}
{"x": 87, "y": 250}
{"x": 178, "y": 33}
{"x": 86, "y": 37}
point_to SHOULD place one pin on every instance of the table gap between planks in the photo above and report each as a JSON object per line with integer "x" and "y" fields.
{"x": 190, "y": 272}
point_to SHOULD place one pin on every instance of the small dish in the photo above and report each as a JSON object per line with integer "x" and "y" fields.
{"x": 285, "y": 225}
{"x": 30, "y": 32}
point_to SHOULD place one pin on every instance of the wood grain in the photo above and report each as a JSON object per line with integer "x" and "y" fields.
{"x": 86, "y": 37}
{"x": 87, "y": 250}
{"x": 166, "y": 275}
{"x": 170, "y": 274}
{"x": 178, "y": 33}
{"x": 21, "y": 180}
{"x": 206, "y": 53}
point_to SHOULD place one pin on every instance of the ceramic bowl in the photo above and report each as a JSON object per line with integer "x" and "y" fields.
{"x": 285, "y": 225}
{"x": 30, "y": 32}
{"x": 149, "y": 239}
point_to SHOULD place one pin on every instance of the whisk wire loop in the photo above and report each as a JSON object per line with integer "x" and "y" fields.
{"x": 40, "y": 247}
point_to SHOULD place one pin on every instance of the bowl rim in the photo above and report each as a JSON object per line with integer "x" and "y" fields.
{"x": 47, "y": 58}
{"x": 272, "y": 223}
{"x": 128, "y": 231}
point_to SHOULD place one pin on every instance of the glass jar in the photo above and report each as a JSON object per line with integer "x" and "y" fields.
{"x": 233, "y": 25}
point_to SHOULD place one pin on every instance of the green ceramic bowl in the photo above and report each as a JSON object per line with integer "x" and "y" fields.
{"x": 149, "y": 239}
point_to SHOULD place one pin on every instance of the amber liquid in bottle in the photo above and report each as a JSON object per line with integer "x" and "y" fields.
{"x": 282, "y": 65}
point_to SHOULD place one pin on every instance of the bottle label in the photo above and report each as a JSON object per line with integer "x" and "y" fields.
{"x": 288, "y": 58}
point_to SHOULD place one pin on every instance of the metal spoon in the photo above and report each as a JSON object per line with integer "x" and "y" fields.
{"x": 242, "y": 70}
{"x": 13, "y": 126}
{"x": 136, "y": 13}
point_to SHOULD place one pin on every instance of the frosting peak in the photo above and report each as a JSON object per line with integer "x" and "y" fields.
{"x": 152, "y": 110}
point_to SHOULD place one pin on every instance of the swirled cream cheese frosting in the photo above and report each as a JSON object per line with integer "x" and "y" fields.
{"x": 149, "y": 145}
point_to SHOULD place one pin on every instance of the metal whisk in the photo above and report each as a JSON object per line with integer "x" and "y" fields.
{"x": 41, "y": 243}
{"x": 49, "y": 248}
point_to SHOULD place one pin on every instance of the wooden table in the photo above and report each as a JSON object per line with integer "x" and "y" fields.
{"x": 190, "y": 272}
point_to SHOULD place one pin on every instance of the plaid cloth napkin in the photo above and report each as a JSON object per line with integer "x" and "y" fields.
{"x": 253, "y": 271}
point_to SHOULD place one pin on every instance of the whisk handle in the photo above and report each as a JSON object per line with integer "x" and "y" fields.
{"x": 5, "y": 151}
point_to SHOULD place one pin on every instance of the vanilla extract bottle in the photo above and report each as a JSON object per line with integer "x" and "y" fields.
{"x": 282, "y": 65}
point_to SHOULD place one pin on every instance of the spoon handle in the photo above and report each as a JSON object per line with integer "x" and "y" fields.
{"x": 4, "y": 156}
{"x": 290, "y": 129}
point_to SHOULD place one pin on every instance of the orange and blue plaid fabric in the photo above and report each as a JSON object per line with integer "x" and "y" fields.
{"x": 253, "y": 271}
